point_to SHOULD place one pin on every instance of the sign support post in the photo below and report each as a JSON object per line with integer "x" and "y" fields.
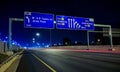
{"x": 50, "y": 38}
{"x": 88, "y": 39}
{"x": 110, "y": 32}
{"x": 10, "y": 30}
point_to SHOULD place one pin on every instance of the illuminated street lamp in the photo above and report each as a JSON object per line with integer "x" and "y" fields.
{"x": 37, "y": 34}
{"x": 13, "y": 43}
{"x": 33, "y": 39}
{"x": 76, "y": 42}
{"x": 98, "y": 40}
{"x": 38, "y": 44}
{"x": 59, "y": 43}
{"x": 66, "y": 43}
{"x": 6, "y": 37}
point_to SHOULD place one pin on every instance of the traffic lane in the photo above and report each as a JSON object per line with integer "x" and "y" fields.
{"x": 107, "y": 57}
{"x": 69, "y": 61}
{"x": 29, "y": 63}
{"x": 115, "y": 58}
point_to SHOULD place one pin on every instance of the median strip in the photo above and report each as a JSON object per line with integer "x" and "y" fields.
{"x": 53, "y": 70}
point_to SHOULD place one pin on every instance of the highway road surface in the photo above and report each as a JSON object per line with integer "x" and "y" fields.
{"x": 55, "y": 60}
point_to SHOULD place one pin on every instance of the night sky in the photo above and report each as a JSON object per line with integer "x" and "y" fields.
{"x": 103, "y": 12}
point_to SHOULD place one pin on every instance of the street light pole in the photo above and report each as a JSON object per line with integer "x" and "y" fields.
{"x": 10, "y": 33}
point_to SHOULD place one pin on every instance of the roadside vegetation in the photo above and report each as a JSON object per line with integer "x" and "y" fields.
{"x": 3, "y": 57}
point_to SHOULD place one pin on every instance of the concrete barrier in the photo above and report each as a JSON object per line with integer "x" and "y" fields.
{"x": 7, "y": 63}
{"x": 4, "y": 47}
{"x": 4, "y": 67}
{"x": 9, "y": 53}
{"x": 95, "y": 47}
{"x": 1, "y": 47}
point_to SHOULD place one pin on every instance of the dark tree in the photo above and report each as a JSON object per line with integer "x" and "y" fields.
{"x": 66, "y": 41}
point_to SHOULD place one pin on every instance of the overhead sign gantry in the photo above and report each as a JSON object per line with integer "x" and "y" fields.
{"x": 43, "y": 20}
{"x": 74, "y": 23}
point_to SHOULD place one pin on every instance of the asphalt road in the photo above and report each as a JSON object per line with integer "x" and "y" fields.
{"x": 50, "y": 60}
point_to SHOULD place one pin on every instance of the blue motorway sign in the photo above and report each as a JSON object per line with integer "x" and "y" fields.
{"x": 74, "y": 23}
{"x": 38, "y": 20}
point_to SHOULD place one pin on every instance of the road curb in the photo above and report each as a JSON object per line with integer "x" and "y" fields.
{"x": 7, "y": 64}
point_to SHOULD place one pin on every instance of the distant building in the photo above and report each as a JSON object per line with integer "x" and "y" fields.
{"x": 3, "y": 46}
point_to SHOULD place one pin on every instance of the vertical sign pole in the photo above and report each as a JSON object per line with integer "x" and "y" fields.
{"x": 110, "y": 34}
{"x": 10, "y": 33}
{"x": 88, "y": 39}
{"x": 50, "y": 38}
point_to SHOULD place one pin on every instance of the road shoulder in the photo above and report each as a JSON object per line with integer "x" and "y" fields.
{"x": 14, "y": 65}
